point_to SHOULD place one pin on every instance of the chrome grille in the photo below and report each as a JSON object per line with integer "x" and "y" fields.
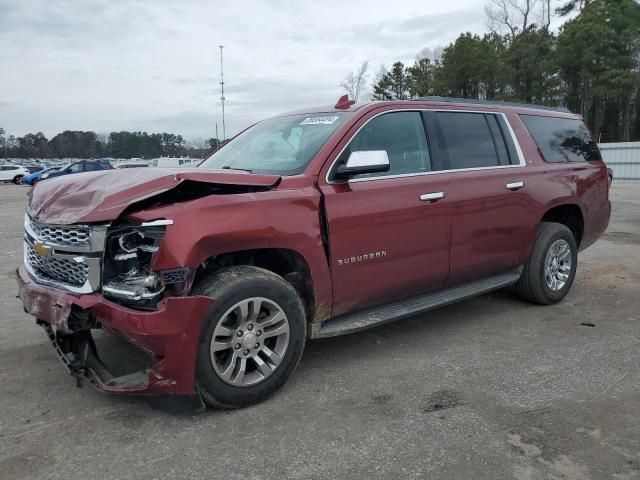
{"x": 71, "y": 271}
{"x": 64, "y": 256}
{"x": 67, "y": 235}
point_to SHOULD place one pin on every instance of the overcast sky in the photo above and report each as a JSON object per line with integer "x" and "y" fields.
{"x": 153, "y": 65}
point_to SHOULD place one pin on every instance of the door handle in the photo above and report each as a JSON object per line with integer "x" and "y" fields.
{"x": 432, "y": 197}
{"x": 514, "y": 185}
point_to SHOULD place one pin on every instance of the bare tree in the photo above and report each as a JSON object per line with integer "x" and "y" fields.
{"x": 434, "y": 55}
{"x": 355, "y": 82}
{"x": 546, "y": 14}
{"x": 571, "y": 6}
{"x": 199, "y": 143}
{"x": 3, "y": 142}
{"x": 509, "y": 17}
{"x": 378, "y": 83}
{"x": 501, "y": 17}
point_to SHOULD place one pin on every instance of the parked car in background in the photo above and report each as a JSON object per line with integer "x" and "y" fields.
{"x": 312, "y": 224}
{"x": 13, "y": 173}
{"x": 122, "y": 165}
{"x": 34, "y": 168}
{"x": 79, "y": 167}
{"x": 35, "y": 177}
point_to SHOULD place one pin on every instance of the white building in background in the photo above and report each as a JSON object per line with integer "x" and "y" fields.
{"x": 623, "y": 158}
{"x": 170, "y": 162}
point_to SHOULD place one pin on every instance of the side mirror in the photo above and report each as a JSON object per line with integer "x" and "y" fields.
{"x": 368, "y": 161}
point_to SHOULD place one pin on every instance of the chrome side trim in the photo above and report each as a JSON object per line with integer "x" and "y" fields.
{"x": 129, "y": 294}
{"x": 521, "y": 158}
{"x": 157, "y": 223}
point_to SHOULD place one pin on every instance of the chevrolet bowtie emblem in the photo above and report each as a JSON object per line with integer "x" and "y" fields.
{"x": 41, "y": 249}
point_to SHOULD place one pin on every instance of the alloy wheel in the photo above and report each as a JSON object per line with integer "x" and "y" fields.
{"x": 249, "y": 342}
{"x": 557, "y": 265}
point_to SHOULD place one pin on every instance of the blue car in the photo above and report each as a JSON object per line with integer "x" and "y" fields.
{"x": 35, "y": 177}
{"x": 79, "y": 167}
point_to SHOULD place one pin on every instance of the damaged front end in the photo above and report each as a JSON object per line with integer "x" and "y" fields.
{"x": 90, "y": 264}
{"x": 80, "y": 278}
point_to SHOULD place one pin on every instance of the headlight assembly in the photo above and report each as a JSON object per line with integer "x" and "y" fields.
{"x": 127, "y": 274}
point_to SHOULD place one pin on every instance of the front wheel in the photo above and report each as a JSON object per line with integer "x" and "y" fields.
{"x": 551, "y": 269}
{"x": 17, "y": 179}
{"x": 251, "y": 340}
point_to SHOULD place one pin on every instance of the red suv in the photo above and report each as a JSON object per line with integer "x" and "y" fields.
{"x": 311, "y": 224}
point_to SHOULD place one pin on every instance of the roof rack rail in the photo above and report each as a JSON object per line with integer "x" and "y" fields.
{"x": 436, "y": 98}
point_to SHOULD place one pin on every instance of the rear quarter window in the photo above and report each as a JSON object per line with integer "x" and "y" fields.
{"x": 561, "y": 139}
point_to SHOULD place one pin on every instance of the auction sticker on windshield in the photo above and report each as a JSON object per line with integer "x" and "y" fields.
{"x": 324, "y": 120}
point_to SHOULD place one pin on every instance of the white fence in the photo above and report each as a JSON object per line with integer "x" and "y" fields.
{"x": 623, "y": 159}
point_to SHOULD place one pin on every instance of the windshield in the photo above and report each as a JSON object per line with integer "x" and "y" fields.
{"x": 281, "y": 146}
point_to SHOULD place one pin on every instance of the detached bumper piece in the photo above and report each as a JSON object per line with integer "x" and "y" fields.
{"x": 79, "y": 355}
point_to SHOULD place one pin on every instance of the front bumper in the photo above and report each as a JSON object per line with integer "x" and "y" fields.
{"x": 168, "y": 335}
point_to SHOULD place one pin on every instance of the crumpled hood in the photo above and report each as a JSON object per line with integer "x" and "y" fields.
{"x": 103, "y": 196}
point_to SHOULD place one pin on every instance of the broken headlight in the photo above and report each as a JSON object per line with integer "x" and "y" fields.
{"x": 127, "y": 274}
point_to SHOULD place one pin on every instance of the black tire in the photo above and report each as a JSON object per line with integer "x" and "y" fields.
{"x": 229, "y": 286}
{"x": 17, "y": 179}
{"x": 532, "y": 285}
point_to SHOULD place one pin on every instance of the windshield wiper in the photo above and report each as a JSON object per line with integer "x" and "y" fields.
{"x": 227, "y": 167}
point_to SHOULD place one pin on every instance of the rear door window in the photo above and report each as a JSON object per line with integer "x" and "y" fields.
{"x": 469, "y": 142}
{"x": 561, "y": 139}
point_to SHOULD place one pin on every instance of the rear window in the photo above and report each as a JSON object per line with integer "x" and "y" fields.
{"x": 561, "y": 139}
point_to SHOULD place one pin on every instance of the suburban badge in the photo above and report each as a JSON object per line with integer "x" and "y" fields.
{"x": 363, "y": 257}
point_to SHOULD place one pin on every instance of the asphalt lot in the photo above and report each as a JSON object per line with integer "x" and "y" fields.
{"x": 490, "y": 388}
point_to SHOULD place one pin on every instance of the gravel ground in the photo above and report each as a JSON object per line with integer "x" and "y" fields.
{"x": 490, "y": 388}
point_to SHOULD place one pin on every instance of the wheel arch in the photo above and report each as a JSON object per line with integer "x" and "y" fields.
{"x": 287, "y": 263}
{"x": 568, "y": 214}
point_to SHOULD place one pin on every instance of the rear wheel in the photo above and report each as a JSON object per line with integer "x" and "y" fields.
{"x": 551, "y": 269}
{"x": 252, "y": 338}
{"x": 17, "y": 179}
